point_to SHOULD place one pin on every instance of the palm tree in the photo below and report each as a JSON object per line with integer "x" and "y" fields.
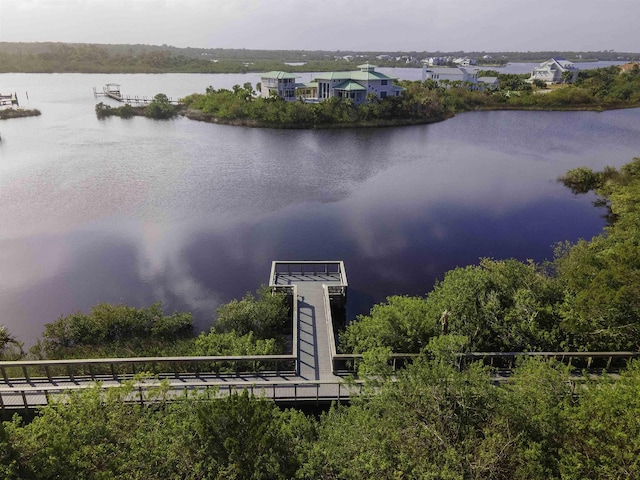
{"x": 7, "y": 340}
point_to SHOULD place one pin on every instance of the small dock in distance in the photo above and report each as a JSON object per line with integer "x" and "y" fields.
{"x": 112, "y": 90}
{"x": 9, "y": 100}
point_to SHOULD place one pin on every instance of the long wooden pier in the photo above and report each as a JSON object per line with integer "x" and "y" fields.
{"x": 112, "y": 90}
{"x": 312, "y": 373}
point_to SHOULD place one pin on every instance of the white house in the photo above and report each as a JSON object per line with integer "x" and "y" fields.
{"x": 282, "y": 84}
{"x": 461, "y": 74}
{"x": 487, "y": 83}
{"x": 465, "y": 62}
{"x": 552, "y": 71}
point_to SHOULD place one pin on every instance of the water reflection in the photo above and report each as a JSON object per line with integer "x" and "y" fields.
{"x": 192, "y": 214}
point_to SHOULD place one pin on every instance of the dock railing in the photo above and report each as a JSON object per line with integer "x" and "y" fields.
{"x": 608, "y": 361}
{"x": 77, "y": 370}
{"x": 152, "y": 391}
{"x": 310, "y": 269}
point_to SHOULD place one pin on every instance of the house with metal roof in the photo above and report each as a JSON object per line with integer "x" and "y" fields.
{"x": 553, "y": 71}
{"x": 487, "y": 83}
{"x": 282, "y": 84}
{"x": 355, "y": 85}
{"x": 464, "y": 75}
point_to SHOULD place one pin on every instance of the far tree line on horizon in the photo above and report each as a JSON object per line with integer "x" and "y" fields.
{"x": 53, "y": 57}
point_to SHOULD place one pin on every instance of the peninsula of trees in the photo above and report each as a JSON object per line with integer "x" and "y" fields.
{"x": 421, "y": 102}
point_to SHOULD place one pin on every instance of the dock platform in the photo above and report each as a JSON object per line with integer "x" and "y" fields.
{"x": 112, "y": 90}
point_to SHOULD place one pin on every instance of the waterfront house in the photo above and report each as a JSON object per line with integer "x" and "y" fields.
{"x": 487, "y": 83}
{"x": 354, "y": 85}
{"x": 282, "y": 84}
{"x": 553, "y": 71}
{"x": 444, "y": 75}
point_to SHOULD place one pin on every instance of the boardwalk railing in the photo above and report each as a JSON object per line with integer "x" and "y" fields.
{"x": 112, "y": 90}
{"x": 333, "y": 269}
{"x": 588, "y": 360}
{"x": 147, "y": 392}
{"x": 75, "y": 370}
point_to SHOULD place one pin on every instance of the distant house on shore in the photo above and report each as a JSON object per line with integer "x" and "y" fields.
{"x": 355, "y": 85}
{"x": 554, "y": 71}
{"x": 487, "y": 83}
{"x": 446, "y": 75}
{"x": 282, "y": 84}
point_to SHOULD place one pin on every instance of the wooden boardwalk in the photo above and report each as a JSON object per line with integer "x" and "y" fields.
{"x": 311, "y": 378}
{"x": 312, "y": 374}
{"x": 112, "y": 90}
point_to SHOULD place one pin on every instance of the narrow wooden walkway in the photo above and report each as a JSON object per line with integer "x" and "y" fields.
{"x": 313, "y": 284}
{"x": 312, "y": 373}
{"x": 112, "y": 90}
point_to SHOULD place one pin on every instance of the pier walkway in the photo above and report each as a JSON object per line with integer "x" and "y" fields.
{"x": 9, "y": 100}
{"x": 313, "y": 373}
{"x": 112, "y": 90}
{"x": 306, "y": 375}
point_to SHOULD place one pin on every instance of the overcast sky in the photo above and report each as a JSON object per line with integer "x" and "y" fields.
{"x": 360, "y": 25}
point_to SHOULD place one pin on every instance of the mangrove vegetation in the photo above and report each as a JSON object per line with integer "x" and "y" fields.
{"x": 6, "y": 113}
{"x": 420, "y": 102}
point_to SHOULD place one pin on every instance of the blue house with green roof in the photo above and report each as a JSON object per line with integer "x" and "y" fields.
{"x": 356, "y": 86}
{"x": 282, "y": 84}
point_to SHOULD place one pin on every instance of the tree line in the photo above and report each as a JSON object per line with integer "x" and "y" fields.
{"x": 55, "y": 57}
{"x": 257, "y": 324}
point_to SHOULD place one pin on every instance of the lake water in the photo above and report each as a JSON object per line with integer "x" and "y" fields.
{"x": 192, "y": 214}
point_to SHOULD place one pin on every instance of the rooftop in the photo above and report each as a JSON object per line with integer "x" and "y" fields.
{"x": 278, "y": 75}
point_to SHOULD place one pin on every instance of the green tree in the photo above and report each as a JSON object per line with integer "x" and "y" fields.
{"x": 426, "y": 423}
{"x": 266, "y": 316}
{"x": 401, "y": 323}
{"x": 603, "y": 431}
{"x": 161, "y": 108}
{"x": 10, "y": 346}
{"x": 531, "y": 413}
{"x": 250, "y": 438}
{"x": 601, "y": 278}
{"x": 113, "y": 330}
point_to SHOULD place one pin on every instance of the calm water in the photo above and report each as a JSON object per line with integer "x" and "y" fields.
{"x": 137, "y": 211}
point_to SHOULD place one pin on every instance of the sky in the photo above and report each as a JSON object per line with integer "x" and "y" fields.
{"x": 353, "y": 25}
